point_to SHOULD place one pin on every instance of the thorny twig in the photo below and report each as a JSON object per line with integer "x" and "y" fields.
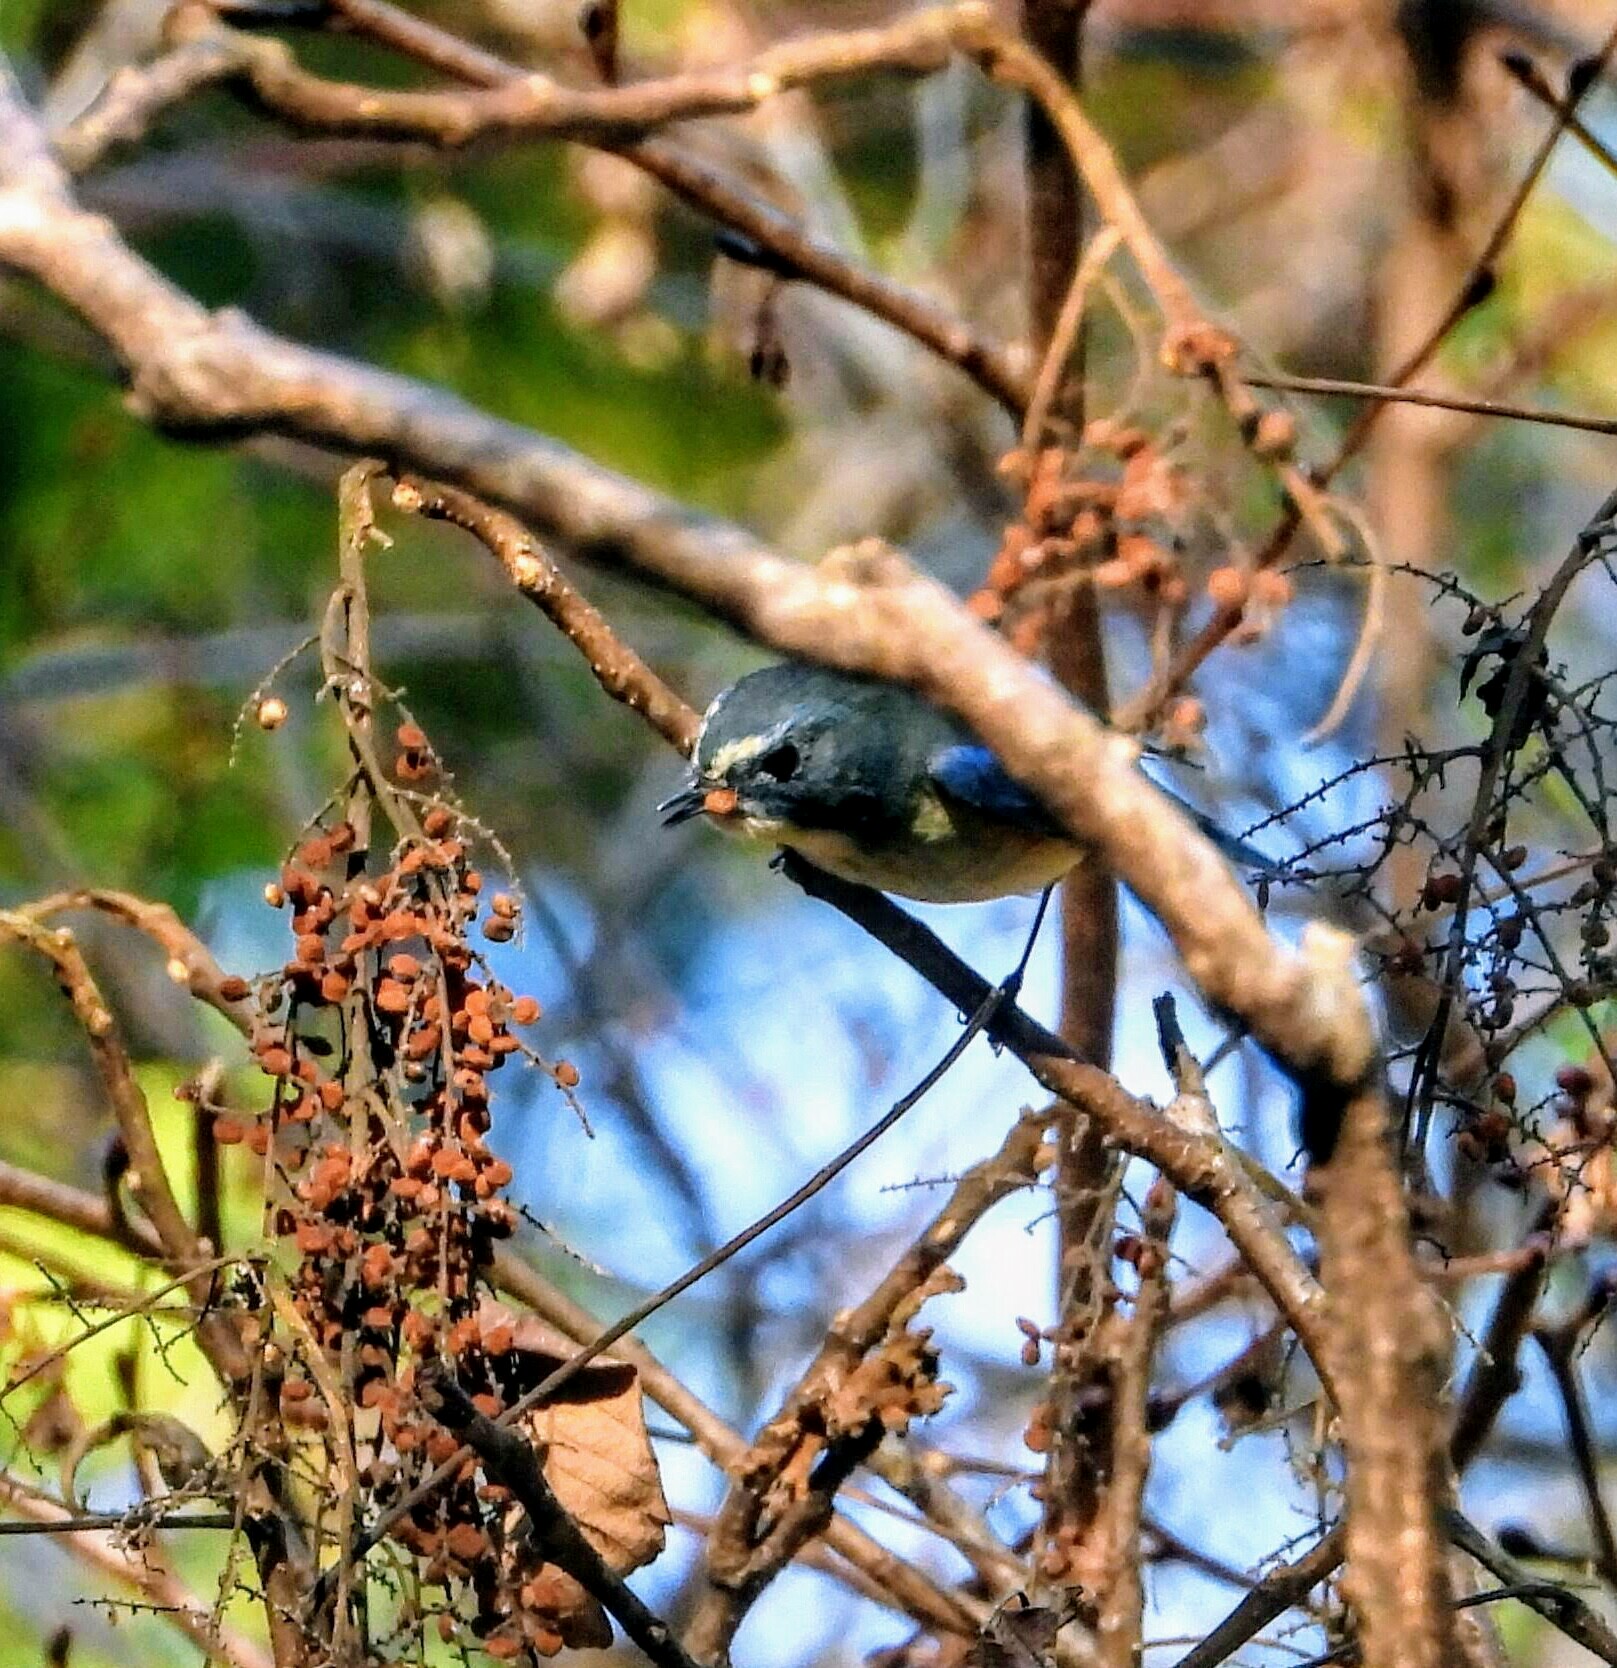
{"x": 1498, "y": 753}
{"x": 150, "y": 1578}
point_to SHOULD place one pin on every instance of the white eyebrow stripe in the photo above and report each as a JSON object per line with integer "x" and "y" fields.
{"x": 737, "y": 752}
{"x": 707, "y": 718}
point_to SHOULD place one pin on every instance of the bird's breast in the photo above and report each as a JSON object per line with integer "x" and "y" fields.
{"x": 939, "y": 870}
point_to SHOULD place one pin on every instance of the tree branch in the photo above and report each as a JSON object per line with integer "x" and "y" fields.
{"x": 152, "y": 1581}
{"x": 534, "y": 106}
{"x": 899, "y": 1582}
{"x": 509, "y": 1459}
{"x": 745, "y": 1552}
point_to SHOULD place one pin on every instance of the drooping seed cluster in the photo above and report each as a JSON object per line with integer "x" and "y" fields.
{"x": 383, "y": 1034}
{"x": 1116, "y": 512}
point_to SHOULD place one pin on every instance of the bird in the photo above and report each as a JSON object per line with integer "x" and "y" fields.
{"x": 875, "y": 783}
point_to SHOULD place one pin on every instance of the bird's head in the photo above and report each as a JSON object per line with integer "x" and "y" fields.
{"x": 758, "y": 753}
{"x": 791, "y": 747}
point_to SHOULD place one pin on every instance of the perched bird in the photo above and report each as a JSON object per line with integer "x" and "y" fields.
{"x": 873, "y": 782}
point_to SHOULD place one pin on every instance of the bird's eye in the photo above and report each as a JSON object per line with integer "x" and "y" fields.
{"x": 780, "y": 762}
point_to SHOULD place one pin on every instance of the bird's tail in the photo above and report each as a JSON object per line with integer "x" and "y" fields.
{"x": 1242, "y": 855}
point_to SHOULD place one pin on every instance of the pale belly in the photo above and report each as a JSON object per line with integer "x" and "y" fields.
{"x": 930, "y": 871}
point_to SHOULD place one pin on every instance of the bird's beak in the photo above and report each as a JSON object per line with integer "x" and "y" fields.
{"x": 695, "y": 799}
{"x": 685, "y": 804}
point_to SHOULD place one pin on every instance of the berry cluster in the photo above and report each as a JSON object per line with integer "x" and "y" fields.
{"x": 382, "y": 1034}
{"x": 1114, "y": 513}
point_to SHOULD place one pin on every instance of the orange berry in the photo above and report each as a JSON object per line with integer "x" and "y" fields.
{"x": 1227, "y": 586}
{"x": 1273, "y": 589}
{"x": 275, "y": 1062}
{"x": 1188, "y": 715}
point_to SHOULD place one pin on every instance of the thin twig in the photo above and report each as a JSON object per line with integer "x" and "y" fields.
{"x": 794, "y": 252}
{"x": 620, "y": 672}
{"x": 123, "y": 1521}
{"x": 1273, "y": 1596}
{"x": 511, "y": 1460}
{"x": 900, "y": 1583}
{"x": 1497, "y": 752}
{"x": 1118, "y": 1627}
{"x": 1392, "y": 394}
{"x": 568, "y": 1369}
{"x": 74, "y": 1207}
{"x": 536, "y": 106}
{"x": 1560, "y": 1346}
{"x": 1563, "y": 1609}
{"x": 128, "y": 1103}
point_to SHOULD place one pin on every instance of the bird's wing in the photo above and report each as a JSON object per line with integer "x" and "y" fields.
{"x": 970, "y": 775}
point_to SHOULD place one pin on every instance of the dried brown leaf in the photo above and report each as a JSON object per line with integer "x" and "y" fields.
{"x": 599, "y": 1462}
{"x": 597, "y": 1455}
{"x": 1018, "y": 1635}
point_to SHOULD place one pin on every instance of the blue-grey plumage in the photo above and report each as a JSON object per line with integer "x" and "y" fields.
{"x": 874, "y": 783}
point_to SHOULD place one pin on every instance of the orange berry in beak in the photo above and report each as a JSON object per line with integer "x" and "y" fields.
{"x": 720, "y": 802}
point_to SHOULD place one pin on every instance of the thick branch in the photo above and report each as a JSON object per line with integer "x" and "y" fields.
{"x": 1389, "y": 1344}
{"x": 217, "y": 375}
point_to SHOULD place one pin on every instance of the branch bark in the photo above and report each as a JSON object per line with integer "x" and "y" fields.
{"x": 1389, "y": 1345}
{"x": 1089, "y": 910}
{"x": 509, "y": 1459}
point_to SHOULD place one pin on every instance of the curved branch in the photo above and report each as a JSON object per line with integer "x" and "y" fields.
{"x": 530, "y": 106}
